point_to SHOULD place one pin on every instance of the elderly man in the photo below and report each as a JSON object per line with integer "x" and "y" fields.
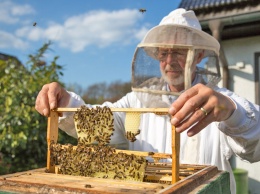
{"x": 176, "y": 66}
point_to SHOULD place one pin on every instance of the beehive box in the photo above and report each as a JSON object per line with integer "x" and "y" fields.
{"x": 195, "y": 179}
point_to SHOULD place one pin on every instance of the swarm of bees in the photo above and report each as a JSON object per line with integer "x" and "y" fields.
{"x": 94, "y": 125}
{"x": 93, "y": 157}
{"x": 97, "y": 161}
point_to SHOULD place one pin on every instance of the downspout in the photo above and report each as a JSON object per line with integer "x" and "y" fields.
{"x": 216, "y": 27}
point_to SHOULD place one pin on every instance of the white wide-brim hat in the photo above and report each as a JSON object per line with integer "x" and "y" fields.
{"x": 181, "y": 27}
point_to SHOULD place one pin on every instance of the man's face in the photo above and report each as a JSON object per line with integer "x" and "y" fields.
{"x": 172, "y": 65}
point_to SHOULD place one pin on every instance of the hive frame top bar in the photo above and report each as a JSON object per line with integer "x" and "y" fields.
{"x": 143, "y": 110}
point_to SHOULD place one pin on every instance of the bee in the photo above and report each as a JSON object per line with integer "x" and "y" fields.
{"x": 111, "y": 129}
{"x": 138, "y": 132}
{"x": 131, "y": 170}
{"x": 121, "y": 175}
{"x": 138, "y": 175}
{"x": 87, "y": 186}
{"x": 142, "y": 10}
{"x": 105, "y": 176}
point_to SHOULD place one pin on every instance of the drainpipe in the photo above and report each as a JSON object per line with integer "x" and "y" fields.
{"x": 216, "y": 27}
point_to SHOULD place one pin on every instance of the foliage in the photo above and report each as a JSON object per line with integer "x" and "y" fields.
{"x": 23, "y": 143}
{"x": 22, "y": 128}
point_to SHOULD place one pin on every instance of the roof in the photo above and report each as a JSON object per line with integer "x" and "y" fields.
{"x": 216, "y": 5}
{"x": 240, "y": 18}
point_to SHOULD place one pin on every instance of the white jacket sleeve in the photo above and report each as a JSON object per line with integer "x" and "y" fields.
{"x": 66, "y": 122}
{"x": 243, "y": 128}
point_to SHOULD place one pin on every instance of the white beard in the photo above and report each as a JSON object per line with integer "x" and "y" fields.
{"x": 173, "y": 81}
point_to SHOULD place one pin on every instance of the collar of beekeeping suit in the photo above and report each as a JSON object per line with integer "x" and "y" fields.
{"x": 181, "y": 27}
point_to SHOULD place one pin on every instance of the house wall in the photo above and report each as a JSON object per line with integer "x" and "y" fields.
{"x": 241, "y": 80}
{"x": 242, "y": 83}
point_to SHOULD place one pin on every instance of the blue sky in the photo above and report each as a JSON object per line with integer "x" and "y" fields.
{"x": 95, "y": 39}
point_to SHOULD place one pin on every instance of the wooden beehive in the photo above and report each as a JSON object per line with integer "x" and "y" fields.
{"x": 194, "y": 178}
{"x": 159, "y": 177}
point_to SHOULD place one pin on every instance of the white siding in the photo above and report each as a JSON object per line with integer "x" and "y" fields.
{"x": 242, "y": 50}
{"x": 242, "y": 83}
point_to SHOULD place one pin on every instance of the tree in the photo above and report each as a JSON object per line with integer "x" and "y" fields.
{"x": 22, "y": 129}
{"x": 117, "y": 90}
{"x": 101, "y": 92}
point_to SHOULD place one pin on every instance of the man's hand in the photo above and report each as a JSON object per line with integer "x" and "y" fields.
{"x": 198, "y": 107}
{"x": 51, "y": 96}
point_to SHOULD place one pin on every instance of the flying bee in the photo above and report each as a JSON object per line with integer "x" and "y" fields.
{"x": 142, "y": 10}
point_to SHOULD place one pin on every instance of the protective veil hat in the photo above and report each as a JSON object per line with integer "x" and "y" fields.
{"x": 179, "y": 36}
{"x": 181, "y": 27}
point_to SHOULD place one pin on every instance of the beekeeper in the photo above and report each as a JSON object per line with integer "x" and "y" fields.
{"x": 176, "y": 66}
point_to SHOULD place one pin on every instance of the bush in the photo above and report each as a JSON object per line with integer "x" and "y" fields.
{"x": 23, "y": 143}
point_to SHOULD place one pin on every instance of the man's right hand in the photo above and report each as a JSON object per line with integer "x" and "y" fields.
{"x": 51, "y": 96}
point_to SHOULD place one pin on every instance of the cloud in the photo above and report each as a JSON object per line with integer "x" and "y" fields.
{"x": 10, "y": 12}
{"x": 8, "y": 40}
{"x": 95, "y": 28}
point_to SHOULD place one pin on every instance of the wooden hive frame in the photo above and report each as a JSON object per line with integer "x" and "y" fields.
{"x": 52, "y": 136}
